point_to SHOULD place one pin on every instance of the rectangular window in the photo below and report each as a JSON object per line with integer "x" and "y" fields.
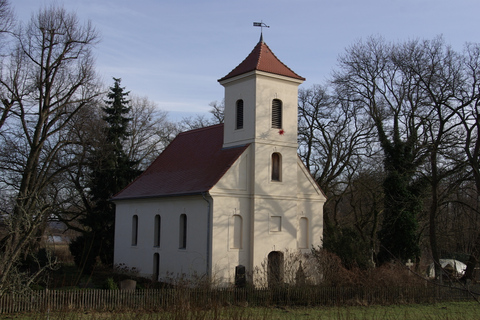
{"x": 276, "y": 114}
{"x": 302, "y": 236}
{"x": 156, "y": 266}
{"x": 157, "y": 226}
{"x": 134, "y": 230}
{"x": 183, "y": 232}
{"x": 275, "y": 224}
{"x": 237, "y": 224}
{"x": 239, "y": 115}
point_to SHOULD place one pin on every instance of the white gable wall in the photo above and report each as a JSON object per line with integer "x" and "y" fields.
{"x": 270, "y": 211}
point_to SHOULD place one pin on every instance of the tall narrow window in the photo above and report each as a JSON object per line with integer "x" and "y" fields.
{"x": 276, "y": 166}
{"x": 302, "y": 236}
{"x": 134, "y": 230}
{"x": 156, "y": 266}
{"x": 239, "y": 115}
{"x": 156, "y": 232}
{"x": 237, "y": 224}
{"x": 183, "y": 232}
{"x": 276, "y": 114}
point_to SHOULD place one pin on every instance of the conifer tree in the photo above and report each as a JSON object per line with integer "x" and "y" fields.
{"x": 110, "y": 171}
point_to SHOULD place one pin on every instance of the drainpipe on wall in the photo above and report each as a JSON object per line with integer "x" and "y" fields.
{"x": 204, "y": 194}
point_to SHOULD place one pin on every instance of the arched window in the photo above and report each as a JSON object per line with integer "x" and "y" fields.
{"x": 183, "y": 232}
{"x": 302, "y": 236}
{"x": 239, "y": 115}
{"x": 134, "y": 230}
{"x": 276, "y": 114}
{"x": 156, "y": 231}
{"x": 276, "y": 166}
{"x": 237, "y": 232}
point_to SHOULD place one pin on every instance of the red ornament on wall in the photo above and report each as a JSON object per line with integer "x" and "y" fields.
{"x": 281, "y": 132}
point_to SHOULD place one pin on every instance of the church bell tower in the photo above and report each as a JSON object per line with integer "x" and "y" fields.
{"x": 261, "y": 100}
{"x": 261, "y": 110}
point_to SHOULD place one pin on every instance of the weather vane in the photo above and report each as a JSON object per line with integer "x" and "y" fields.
{"x": 261, "y": 25}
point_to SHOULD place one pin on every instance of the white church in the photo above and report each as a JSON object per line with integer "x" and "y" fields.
{"x": 226, "y": 198}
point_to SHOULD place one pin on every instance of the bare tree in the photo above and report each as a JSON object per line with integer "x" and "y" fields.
{"x": 217, "y": 111}
{"x": 469, "y": 116}
{"x": 201, "y": 120}
{"x": 334, "y": 138}
{"x": 150, "y": 129}
{"x": 422, "y": 97}
{"x": 50, "y": 79}
{"x": 441, "y": 75}
{"x": 7, "y": 18}
{"x": 6, "y": 25}
{"x": 369, "y": 77}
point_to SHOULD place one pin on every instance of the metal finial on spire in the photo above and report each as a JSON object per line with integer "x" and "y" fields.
{"x": 261, "y": 25}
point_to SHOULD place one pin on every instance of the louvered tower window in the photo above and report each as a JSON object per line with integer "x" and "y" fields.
{"x": 239, "y": 114}
{"x": 276, "y": 114}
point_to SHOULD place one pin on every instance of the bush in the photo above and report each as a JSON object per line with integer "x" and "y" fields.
{"x": 349, "y": 246}
{"x": 84, "y": 253}
{"x": 110, "y": 284}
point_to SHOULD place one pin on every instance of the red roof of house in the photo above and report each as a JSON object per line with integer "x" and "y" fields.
{"x": 193, "y": 163}
{"x": 262, "y": 58}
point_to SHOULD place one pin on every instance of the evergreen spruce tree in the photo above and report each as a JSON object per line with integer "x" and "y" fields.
{"x": 110, "y": 171}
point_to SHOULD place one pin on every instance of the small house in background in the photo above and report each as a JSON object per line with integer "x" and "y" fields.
{"x": 227, "y": 197}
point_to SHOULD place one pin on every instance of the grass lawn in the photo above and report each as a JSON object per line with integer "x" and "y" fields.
{"x": 450, "y": 311}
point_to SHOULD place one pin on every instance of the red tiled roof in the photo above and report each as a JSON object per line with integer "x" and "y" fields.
{"x": 262, "y": 58}
{"x": 193, "y": 163}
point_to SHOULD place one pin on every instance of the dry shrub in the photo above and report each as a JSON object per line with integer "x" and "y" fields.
{"x": 321, "y": 267}
{"x": 335, "y": 274}
{"x": 330, "y": 270}
{"x": 392, "y": 275}
{"x": 63, "y": 254}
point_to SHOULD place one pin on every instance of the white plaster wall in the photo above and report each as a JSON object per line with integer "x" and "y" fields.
{"x": 231, "y": 196}
{"x": 224, "y": 257}
{"x": 173, "y": 261}
{"x": 242, "y": 88}
{"x": 263, "y": 184}
{"x": 257, "y": 89}
{"x": 269, "y": 87}
{"x": 310, "y": 204}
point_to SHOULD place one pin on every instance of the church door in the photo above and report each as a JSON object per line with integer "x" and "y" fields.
{"x": 275, "y": 269}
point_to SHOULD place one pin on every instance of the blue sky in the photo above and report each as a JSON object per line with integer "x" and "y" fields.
{"x": 173, "y": 52}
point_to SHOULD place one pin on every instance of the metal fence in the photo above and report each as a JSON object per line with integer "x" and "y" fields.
{"x": 167, "y": 299}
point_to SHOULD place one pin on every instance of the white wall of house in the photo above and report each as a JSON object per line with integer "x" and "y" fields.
{"x": 231, "y": 219}
{"x": 173, "y": 259}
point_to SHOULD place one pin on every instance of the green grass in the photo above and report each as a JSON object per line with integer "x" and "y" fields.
{"x": 450, "y": 311}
